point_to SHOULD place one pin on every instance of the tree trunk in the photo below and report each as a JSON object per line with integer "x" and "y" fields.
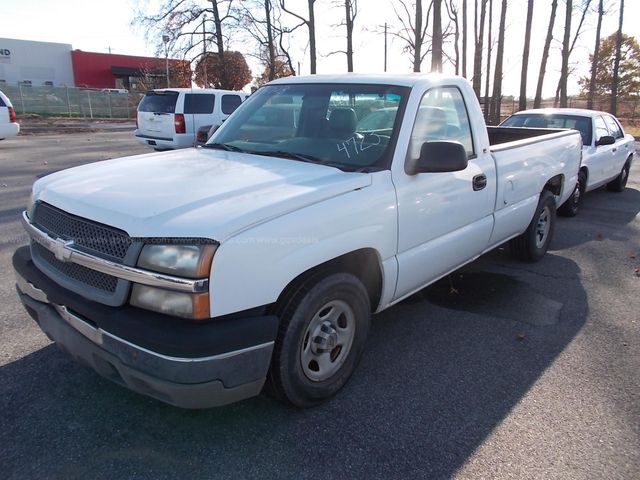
{"x": 594, "y": 63}
{"x": 417, "y": 51}
{"x": 270, "y": 46}
{"x": 616, "y": 64}
{"x": 522, "y": 101}
{"x": 219, "y": 40}
{"x": 497, "y": 80}
{"x": 312, "y": 36}
{"x": 348, "y": 5}
{"x": 464, "y": 38}
{"x": 564, "y": 70}
{"x": 436, "y": 40}
{"x": 477, "y": 54}
{"x": 487, "y": 100}
{"x": 545, "y": 55}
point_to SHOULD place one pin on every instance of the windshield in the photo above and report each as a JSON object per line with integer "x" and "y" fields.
{"x": 348, "y": 126}
{"x": 554, "y": 120}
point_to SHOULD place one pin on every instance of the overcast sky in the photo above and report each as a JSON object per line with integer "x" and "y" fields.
{"x": 93, "y": 25}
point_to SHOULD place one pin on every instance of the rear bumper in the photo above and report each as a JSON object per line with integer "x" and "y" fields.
{"x": 9, "y": 129}
{"x": 184, "y": 381}
{"x": 185, "y": 140}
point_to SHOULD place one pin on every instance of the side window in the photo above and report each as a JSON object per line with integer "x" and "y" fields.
{"x": 442, "y": 116}
{"x": 230, "y": 103}
{"x": 601, "y": 127}
{"x": 614, "y": 128}
{"x": 199, "y": 103}
{"x": 2, "y": 104}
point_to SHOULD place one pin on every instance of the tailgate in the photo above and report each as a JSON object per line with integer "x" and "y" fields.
{"x": 156, "y": 114}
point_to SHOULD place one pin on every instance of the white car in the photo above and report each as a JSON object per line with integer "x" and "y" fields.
{"x": 8, "y": 125}
{"x": 607, "y": 152}
{"x": 169, "y": 118}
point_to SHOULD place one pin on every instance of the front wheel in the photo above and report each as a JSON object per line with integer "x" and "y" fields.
{"x": 619, "y": 183}
{"x": 323, "y": 328}
{"x": 572, "y": 205}
{"x": 532, "y": 245}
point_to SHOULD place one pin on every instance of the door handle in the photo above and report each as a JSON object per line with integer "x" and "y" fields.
{"x": 614, "y": 150}
{"x": 479, "y": 182}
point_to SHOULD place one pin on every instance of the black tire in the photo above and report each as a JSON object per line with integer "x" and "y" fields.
{"x": 532, "y": 245}
{"x": 619, "y": 183}
{"x": 571, "y": 207}
{"x": 302, "y": 328}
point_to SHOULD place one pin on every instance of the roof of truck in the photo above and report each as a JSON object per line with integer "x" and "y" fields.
{"x": 583, "y": 112}
{"x": 405, "y": 80}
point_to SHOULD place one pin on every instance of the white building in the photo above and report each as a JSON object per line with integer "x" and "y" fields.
{"x": 35, "y": 63}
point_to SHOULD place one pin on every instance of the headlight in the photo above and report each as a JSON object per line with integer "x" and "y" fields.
{"x": 178, "y": 304}
{"x": 192, "y": 261}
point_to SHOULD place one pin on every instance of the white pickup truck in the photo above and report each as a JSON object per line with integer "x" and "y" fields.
{"x": 195, "y": 276}
{"x": 607, "y": 152}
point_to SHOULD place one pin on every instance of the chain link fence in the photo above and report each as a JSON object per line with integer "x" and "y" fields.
{"x": 72, "y": 102}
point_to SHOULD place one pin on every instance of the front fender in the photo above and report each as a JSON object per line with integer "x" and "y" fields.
{"x": 252, "y": 268}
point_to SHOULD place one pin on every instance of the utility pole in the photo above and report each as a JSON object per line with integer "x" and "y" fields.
{"x": 385, "y": 47}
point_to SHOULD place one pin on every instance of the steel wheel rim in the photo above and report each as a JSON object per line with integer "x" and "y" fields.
{"x": 543, "y": 226}
{"x": 576, "y": 195}
{"x": 327, "y": 340}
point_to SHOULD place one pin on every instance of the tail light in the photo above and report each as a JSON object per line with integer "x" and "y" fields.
{"x": 179, "y": 123}
{"x": 12, "y": 115}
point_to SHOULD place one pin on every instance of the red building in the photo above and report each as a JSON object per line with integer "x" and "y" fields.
{"x": 105, "y": 70}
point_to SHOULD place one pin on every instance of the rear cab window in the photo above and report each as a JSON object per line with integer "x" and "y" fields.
{"x": 199, "y": 102}
{"x": 159, "y": 102}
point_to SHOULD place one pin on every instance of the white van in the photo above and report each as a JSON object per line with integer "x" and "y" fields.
{"x": 8, "y": 125}
{"x": 168, "y": 118}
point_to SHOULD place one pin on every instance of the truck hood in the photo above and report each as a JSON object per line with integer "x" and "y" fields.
{"x": 194, "y": 192}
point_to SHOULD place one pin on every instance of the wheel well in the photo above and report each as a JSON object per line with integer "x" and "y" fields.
{"x": 586, "y": 174}
{"x": 363, "y": 264}
{"x": 554, "y": 185}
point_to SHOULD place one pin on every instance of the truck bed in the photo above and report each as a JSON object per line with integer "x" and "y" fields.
{"x": 499, "y": 136}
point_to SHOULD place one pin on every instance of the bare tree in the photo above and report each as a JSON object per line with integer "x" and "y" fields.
{"x": 497, "y": 79}
{"x": 616, "y": 64}
{"x": 487, "y": 99}
{"x": 436, "y": 39}
{"x": 413, "y": 30}
{"x": 478, "y": 29}
{"x": 452, "y": 13}
{"x": 596, "y": 52}
{"x": 351, "y": 11}
{"x": 522, "y": 101}
{"x": 585, "y": 9}
{"x": 310, "y": 22}
{"x": 564, "y": 71}
{"x": 179, "y": 22}
{"x": 545, "y": 55}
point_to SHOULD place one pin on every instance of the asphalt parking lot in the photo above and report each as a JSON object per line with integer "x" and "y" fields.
{"x": 503, "y": 370}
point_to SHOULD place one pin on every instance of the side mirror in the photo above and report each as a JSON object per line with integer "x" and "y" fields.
{"x": 605, "y": 140}
{"x": 440, "y": 156}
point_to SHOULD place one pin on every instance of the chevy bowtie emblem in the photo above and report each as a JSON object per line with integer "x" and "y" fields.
{"x": 59, "y": 249}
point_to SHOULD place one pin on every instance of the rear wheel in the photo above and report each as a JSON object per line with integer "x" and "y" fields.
{"x": 572, "y": 205}
{"x": 323, "y": 328}
{"x": 532, "y": 245}
{"x": 620, "y": 182}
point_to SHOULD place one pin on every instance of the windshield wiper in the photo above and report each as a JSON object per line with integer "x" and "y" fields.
{"x": 294, "y": 156}
{"x": 223, "y": 146}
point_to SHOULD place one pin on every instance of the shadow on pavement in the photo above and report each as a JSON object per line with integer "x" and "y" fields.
{"x": 441, "y": 371}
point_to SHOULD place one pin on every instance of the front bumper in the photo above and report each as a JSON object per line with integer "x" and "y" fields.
{"x": 213, "y": 379}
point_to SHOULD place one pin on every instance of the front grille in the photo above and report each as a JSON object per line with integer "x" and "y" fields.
{"x": 92, "y": 237}
{"x": 86, "y": 276}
